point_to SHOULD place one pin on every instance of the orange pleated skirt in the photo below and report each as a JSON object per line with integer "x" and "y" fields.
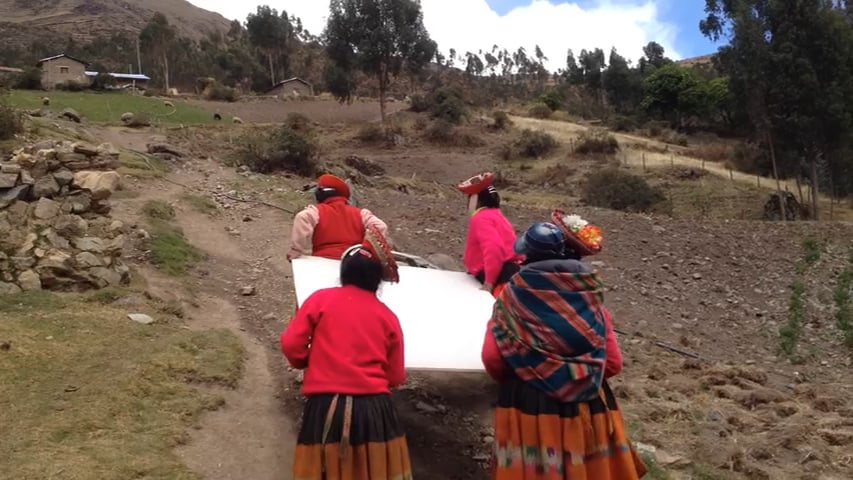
{"x": 351, "y": 438}
{"x": 539, "y": 438}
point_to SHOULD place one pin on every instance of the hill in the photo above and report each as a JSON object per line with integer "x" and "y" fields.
{"x": 84, "y": 20}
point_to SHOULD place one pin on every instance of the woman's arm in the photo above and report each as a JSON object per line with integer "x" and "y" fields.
{"x": 297, "y": 335}
{"x": 613, "y": 362}
{"x": 492, "y": 359}
{"x": 303, "y": 231}
{"x": 487, "y": 237}
{"x": 396, "y": 358}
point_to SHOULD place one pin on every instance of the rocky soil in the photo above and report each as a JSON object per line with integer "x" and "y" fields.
{"x": 705, "y": 390}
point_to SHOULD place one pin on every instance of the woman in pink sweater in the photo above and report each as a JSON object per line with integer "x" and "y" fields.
{"x": 489, "y": 255}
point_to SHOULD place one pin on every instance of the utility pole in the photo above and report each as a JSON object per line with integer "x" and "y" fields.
{"x": 138, "y": 56}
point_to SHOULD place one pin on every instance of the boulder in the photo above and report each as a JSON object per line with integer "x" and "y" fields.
{"x": 8, "y": 180}
{"x": 9, "y": 196}
{"x": 101, "y": 184}
{"x": 10, "y": 168}
{"x": 87, "y": 260}
{"x": 45, "y": 187}
{"x": 63, "y": 176}
{"x": 89, "y": 244}
{"x": 104, "y": 277}
{"x": 108, "y": 149}
{"x": 54, "y": 240}
{"x": 80, "y": 202}
{"x": 28, "y": 244}
{"x": 72, "y": 115}
{"x": 85, "y": 149}
{"x": 126, "y": 117}
{"x": 29, "y": 281}
{"x": 9, "y": 289}
{"x": 46, "y": 209}
{"x": 26, "y": 178}
{"x": 22, "y": 263}
{"x": 164, "y": 148}
{"x": 70, "y": 226}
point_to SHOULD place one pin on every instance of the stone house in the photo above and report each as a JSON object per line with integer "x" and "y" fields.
{"x": 286, "y": 88}
{"x": 60, "y": 69}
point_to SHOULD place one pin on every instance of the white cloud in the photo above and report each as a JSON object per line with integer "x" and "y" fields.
{"x": 471, "y": 25}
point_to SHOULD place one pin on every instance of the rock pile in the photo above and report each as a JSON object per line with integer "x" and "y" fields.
{"x": 54, "y": 233}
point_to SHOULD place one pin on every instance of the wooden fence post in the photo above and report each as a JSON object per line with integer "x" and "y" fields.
{"x": 644, "y": 162}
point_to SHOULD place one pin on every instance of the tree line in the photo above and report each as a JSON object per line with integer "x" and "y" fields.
{"x": 783, "y": 81}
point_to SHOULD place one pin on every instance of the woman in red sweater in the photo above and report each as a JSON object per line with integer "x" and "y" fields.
{"x": 489, "y": 255}
{"x": 351, "y": 347}
{"x": 332, "y": 225}
{"x": 551, "y": 346}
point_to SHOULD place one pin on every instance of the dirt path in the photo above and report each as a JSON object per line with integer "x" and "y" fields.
{"x": 567, "y": 132}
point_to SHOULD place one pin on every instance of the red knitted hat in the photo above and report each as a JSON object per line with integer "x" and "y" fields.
{"x": 476, "y": 184}
{"x": 328, "y": 180}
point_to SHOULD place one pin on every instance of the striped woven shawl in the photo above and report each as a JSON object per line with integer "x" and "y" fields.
{"x": 549, "y": 327}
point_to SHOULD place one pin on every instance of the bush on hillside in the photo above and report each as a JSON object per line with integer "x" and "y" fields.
{"x": 447, "y": 104}
{"x": 373, "y": 133}
{"x": 419, "y": 103}
{"x": 11, "y": 122}
{"x": 552, "y": 99}
{"x": 219, "y": 92}
{"x": 284, "y": 149}
{"x": 620, "y": 190}
{"x": 597, "y": 142}
{"x": 534, "y": 143}
{"x": 72, "y": 86}
{"x": 540, "y": 110}
{"x": 102, "y": 81}
{"x": 501, "y": 120}
{"x": 30, "y": 79}
{"x": 298, "y": 122}
{"x": 442, "y": 132}
{"x": 622, "y": 123}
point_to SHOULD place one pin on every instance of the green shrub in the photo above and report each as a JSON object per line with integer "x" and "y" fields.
{"x": 102, "y": 81}
{"x": 622, "y": 123}
{"x": 620, "y": 190}
{"x": 11, "y": 122}
{"x": 552, "y": 99}
{"x": 30, "y": 79}
{"x": 419, "y": 103}
{"x": 158, "y": 210}
{"x": 72, "y": 86}
{"x": 598, "y": 141}
{"x": 219, "y": 92}
{"x": 440, "y": 131}
{"x": 540, "y": 110}
{"x": 535, "y": 143}
{"x": 297, "y": 121}
{"x": 501, "y": 120}
{"x": 447, "y": 104}
{"x": 284, "y": 149}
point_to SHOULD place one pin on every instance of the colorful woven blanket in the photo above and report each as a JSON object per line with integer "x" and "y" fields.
{"x": 549, "y": 327}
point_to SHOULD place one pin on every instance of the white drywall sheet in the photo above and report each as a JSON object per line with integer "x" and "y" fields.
{"x": 443, "y": 314}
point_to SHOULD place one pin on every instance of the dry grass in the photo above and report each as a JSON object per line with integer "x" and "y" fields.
{"x": 88, "y": 393}
{"x": 712, "y": 152}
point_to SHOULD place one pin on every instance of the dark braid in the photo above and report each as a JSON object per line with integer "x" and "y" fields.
{"x": 489, "y": 198}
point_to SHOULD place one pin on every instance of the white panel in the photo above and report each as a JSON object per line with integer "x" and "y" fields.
{"x": 443, "y": 314}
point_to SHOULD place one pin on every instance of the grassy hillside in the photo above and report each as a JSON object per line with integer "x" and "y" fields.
{"x": 108, "y": 107}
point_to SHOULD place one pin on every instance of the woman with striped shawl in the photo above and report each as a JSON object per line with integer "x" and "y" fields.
{"x": 551, "y": 346}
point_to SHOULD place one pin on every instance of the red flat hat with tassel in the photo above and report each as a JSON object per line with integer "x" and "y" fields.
{"x": 476, "y": 184}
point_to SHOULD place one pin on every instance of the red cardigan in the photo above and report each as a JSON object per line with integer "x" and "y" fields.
{"x": 348, "y": 341}
{"x": 495, "y": 366}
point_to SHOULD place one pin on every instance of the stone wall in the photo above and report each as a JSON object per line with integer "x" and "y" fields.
{"x": 55, "y": 230}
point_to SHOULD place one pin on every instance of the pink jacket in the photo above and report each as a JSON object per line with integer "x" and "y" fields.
{"x": 497, "y": 369}
{"x": 489, "y": 243}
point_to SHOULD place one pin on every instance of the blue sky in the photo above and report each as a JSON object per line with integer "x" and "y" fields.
{"x": 685, "y": 14}
{"x": 554, "y": 25}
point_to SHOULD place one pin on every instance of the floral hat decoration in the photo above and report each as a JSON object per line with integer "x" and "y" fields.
{"x": 582, "y": 236}
{"x": 378, "y": 245}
